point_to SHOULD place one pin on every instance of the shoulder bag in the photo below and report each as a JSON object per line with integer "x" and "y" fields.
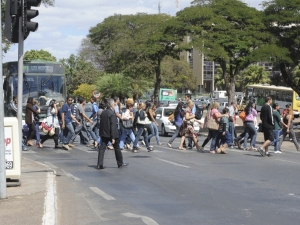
{"x": 212, "y": 124}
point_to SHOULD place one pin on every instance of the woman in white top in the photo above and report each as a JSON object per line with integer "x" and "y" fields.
{"x": 126, "y": 116}
{"x": 52, "y": 120}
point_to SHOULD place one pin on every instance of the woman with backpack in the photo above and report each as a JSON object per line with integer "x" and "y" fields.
{"x": 141, "y": 122}
{"x": 178, "y": 119}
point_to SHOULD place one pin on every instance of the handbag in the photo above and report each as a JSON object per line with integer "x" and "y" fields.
{"x": 127, "y": 124}
{"x": 212, "y": 123}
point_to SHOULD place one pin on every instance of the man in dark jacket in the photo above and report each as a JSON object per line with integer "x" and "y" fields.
{"x": 266, "y": 116}
{"x": 109, "y": 133}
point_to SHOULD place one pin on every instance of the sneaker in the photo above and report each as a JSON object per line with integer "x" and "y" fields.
{"x": 71, "y": 145}
{"x": 25, "y": 149}
{"x": 66, "y": 147}
{"x": 169, "y": 145}
{"x": 245, "y": 149}
{"x": 190, "y": 147}
{"x": 88, "y": 145}
{"x": 110, "y": 147}
{"x": 150, "y": 149}
{"x": 231, "y": 146}
{"x": 160, "y": 144}
{"x": 261, "y": 151}
{"x": 268, "y": 154}
{"x": 212, "y": 152}
{"x": 143, "y": 143}
{"x": 201, "y": 149}
{"x": 277, "y": 152}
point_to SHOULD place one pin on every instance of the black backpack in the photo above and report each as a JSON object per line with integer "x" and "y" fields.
{"x": 198, "y": 113}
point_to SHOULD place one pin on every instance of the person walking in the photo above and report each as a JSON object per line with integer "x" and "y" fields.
{"x": 224, "y": 136}
{"x": 12, "y": 107}
{"x": 188, "y": 98}
{"x": 187, "y": 128}
{"x": 231, "y": 122}
{"x": 52, "y": 120}
{"x": 67, "y": 126}
{"x": 266, "y": 116}
{"x": 250, "y": 130}
{"x": 178, "y": 119}
{"x": 93, "y": 128}
{"x": 288, "y": 128}
{"x": 29, "y": 120}
{"x": 127, "y": 115}
{"x": 277, "y": 128}
{"x": 109, "y": 133}
{"x": 151, "y": 116}
{"x": 36, "y": 105}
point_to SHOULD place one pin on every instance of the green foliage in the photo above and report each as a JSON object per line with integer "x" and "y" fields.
{"x": 176, "y": 74}
{"x": 39, "y": 54}
{"x": 283, "y": 19}
{"x": 255, "y": 74}
{"x": 135, "y": 45}
{"x": 228, "y": 32}
{"x": 117, "y": 84}
{"x": 79, "y": 71}
{"x": 85, "y": 90}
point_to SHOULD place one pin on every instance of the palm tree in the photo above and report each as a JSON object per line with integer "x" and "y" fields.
{"x": 255, "y": 74}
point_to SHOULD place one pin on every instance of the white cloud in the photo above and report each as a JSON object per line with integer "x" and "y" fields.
{"x": 61, "y": 28}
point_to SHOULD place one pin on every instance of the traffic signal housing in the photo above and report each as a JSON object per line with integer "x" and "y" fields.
{"x": 11, "y": 27}
{"x": 28, "y": 14}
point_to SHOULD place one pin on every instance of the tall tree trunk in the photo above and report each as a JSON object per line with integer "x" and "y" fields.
{"x": 157, "y": 81}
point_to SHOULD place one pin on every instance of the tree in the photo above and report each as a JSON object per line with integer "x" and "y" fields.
{"x": 79, "y": 71}
{"x": 136, "y": 45}
{"x": 85, "y": 90}
{"x": 5, "y": 43}
{"x": 201, "y": 2}
{"x": 283, "y": 19}
{"x": 176, "y": 74}
{"x": 255, "y": 74}
{"x": 39, "y": 54}
{"x": 227, "y": 32}
{"x": 111, "y": 85}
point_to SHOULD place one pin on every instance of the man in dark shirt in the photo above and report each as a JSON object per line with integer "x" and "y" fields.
{"x": 266, "y": 116}
{"x": 109, "y": 133}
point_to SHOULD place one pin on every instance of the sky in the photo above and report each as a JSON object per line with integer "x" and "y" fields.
{"x": 62, "y": 27}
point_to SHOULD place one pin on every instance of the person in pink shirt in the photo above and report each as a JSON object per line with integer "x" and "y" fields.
{"x": 250, "y": 130}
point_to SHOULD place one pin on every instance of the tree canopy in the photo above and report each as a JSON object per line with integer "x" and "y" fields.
{"x": 39, "y": 54}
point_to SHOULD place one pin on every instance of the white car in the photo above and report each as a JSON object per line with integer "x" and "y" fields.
{"x": 164, "y": 125}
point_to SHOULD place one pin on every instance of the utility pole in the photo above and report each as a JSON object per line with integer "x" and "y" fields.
{"x": 2, "y": 137}
{"x": 159, "y": 6}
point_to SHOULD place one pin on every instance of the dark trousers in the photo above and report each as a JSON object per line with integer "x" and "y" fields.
{"x": 102, "y": 149}
{"x": 55, "y": 137}
{"x": 31, "y": 132}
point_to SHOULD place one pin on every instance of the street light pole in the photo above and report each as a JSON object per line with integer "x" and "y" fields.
{"x": 2, "y": 137}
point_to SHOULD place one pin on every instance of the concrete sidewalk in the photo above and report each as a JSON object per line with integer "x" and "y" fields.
{"x": 27, "y": 204}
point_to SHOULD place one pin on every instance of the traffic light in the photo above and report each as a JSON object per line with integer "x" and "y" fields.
{"x": 12, "y": 13}
{"x": 28, "y": 25}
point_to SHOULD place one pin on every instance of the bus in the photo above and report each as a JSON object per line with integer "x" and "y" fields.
{"x": 42, "y": 80}
{"x": 281, "y": 95}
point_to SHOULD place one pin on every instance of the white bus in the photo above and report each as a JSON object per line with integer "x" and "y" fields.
{"x": 281, "y": 95}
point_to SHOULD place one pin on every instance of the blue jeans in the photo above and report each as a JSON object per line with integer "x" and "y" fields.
{"x": 37, "y": 133}
{"x": 213, "y": 143}
{"x": 276, "y": 139}
{"x": 68, "y": 134}
{"x": 93, "y": 131}
{"x": 150, "y": 130}
{"x": 175, "y": 134}
{"x": 124, "y": 134}
{"x": 252, "y": 132}
{"x": 231, "y": 131}
{"x": 141, "y": 130}
{"x": 156, "y": 132}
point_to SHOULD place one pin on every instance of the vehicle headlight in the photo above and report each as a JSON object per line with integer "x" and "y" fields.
{"x": 168, "y": 123}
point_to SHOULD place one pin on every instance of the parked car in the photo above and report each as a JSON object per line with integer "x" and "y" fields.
{"x": 222, "y": 106}
{"x": 164, "y": 125}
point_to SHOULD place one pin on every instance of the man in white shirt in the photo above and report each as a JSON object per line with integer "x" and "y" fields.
{"x": 231, "y": 121}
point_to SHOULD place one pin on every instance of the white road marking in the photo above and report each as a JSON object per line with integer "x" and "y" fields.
{"x": 287, "y": 161}
{"x": 49, "y": 217}
{"x": 173, "y": 163}
{"x": 147, "y": 220}
{"x": 51, "y": 165}
{"x": 71, "y": 176}
{"x": 102, "y": 193}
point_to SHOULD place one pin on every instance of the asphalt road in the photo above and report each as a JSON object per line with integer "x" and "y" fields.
{"x": 170, "y": 186}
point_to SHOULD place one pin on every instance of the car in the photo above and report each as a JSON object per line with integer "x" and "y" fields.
{"x": 164, "y": 125}
{"x": 222, "y": 106}
{"x": 169, "y": 103}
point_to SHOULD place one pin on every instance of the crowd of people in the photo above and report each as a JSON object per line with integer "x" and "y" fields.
{"x": 68, "y": 120}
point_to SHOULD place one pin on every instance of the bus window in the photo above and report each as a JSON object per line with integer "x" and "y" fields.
{"x": 289, "y": 96}
{"x": 273, "y": 95}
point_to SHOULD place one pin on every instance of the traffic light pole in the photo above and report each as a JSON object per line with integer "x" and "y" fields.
{"x": 2, "y": 142}
{"x": 20, "y": 75}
